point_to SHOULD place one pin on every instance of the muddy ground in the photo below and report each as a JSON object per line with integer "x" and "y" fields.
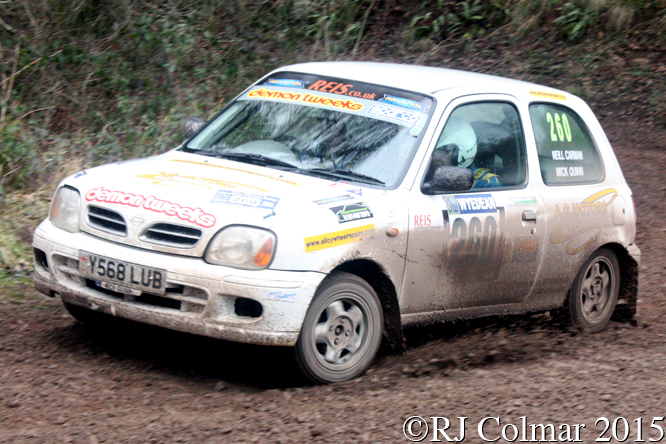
{"x": 61, "y": 382}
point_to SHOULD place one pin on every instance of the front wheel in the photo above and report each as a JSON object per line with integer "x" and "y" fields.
{"x": 595, "y": 291}
{"x": 342, "y": 330}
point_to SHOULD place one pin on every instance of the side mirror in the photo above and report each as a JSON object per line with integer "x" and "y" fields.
{"x": 449, "y": 178}
{"x": 191, "y": 125}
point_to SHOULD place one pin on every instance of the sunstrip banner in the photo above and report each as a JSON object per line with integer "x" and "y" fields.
{"x": 312, "y": 99}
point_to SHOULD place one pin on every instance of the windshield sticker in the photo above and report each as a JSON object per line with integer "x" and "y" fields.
{"x": 471, "y": 204}
{"x": 195, "y": 215}
{"x": 193, "y": 182}
{"x": 224, "y": 167}
{"x": 333, "y": 199}
{"x": 359, "y": 90}
{"x": 290, "y": 83}
{"x": 337, "y": 238}
{"x": 390, "y": 113}
{"x": 313, "y": 99}
{"x": 548, "y": 95}
{"x": 245, "y": 200}
{"x": 351, "y": 212}
{"x": 341, "y": 88}
{"x": 415, "y": 131}
{"x": 405, "y": 103}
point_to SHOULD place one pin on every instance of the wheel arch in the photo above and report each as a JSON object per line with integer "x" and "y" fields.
{"x": 374, "y": 274}
{"x": 625, "y": 311}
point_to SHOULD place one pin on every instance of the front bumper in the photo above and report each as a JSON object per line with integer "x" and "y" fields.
{"x": 201, "y": 298}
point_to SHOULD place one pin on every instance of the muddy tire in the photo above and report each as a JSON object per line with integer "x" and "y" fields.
{"x": 342, "y": 330}
{"x": 595, "y": 291}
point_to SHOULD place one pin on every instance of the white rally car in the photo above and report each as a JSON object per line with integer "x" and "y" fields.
{"x": 331, "y": 204}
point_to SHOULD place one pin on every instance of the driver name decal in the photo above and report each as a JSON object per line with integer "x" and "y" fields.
{"x": 196, "y": 216}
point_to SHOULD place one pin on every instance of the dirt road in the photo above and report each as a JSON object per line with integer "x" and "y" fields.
{"x": 61, "y": 382}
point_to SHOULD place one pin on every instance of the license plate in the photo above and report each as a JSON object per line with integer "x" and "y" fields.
{"x": 121, "y": 273}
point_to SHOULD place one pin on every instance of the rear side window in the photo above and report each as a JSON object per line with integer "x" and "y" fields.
{"x": 567, "y": 152}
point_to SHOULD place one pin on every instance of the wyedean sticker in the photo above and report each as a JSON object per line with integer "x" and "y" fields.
{"x": 352, "y": 212}
{"x": 471, "y": 204}
{"x": 245, "y": 199}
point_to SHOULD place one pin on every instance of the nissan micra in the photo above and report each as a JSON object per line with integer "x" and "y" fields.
{"x": 331, "y": 204}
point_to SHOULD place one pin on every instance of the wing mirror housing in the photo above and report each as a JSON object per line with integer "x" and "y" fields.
{"x": 191, "y": 125}
{"x": 449, "y": 179}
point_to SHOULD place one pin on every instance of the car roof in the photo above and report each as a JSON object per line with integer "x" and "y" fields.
{"x": 422, "y": 79}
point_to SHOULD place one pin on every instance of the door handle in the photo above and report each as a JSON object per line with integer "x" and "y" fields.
{"x": 529, "y": 215}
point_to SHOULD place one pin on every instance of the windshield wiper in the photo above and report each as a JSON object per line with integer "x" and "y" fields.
{"x": 345, "y": 174}
{"x": 254, "y": 159}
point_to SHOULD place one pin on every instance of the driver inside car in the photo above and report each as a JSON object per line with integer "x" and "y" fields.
{"x": 457, "y": 147}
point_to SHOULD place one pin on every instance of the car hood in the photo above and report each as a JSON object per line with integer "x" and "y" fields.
{"x": 193, "y": 193}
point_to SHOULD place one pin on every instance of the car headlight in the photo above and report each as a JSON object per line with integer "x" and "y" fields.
{"x": 242, "y": 247}
{"x": 65, "y": 209}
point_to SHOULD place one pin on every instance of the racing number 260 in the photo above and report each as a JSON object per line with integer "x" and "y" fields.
{"x": 561, "y": 125}
{"x": 478, "y": 240}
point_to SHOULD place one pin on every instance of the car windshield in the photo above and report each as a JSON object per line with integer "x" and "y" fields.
{"x": 364, "y": 137}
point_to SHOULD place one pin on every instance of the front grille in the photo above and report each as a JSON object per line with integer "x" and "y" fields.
{"x": 177, "y": 297}
{"x": 172, "y": 235}
{"x": 106, "y": 220}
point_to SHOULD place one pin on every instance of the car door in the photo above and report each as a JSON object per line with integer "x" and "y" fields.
{"x": 584, "y": 206}
{"x": 479, "y": 247}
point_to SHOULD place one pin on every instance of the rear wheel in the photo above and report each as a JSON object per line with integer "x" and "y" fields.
{"x": 342, "y": 330}
{"x": 595, "y": 291}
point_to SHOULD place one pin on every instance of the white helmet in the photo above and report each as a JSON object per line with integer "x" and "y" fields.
{"x": 461, "y": 138}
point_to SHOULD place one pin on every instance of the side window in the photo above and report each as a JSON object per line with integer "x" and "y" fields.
{"x": 567, "y": 152}
{"x": 487, "y": 138}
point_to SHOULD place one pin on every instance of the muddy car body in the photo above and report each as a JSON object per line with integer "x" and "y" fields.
{"x": 314, "y": 211}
